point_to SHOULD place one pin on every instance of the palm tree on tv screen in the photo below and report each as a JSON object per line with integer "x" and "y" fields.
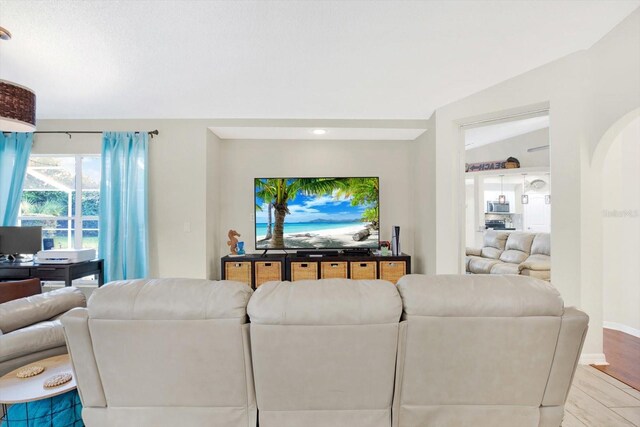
{"x": 279, "y": 192}
{"x": 363, "y": 192}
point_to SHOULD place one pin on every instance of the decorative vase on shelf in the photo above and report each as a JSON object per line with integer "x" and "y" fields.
{"x": 240, "y": 248}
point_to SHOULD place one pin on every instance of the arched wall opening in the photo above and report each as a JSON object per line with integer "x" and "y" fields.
{"x": 617, "y": 158}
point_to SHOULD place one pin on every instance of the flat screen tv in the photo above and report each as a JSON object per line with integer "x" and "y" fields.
{"x": 317, "y": 213}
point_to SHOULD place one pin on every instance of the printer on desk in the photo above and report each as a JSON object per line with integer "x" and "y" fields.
{"x": 64, "y": 256}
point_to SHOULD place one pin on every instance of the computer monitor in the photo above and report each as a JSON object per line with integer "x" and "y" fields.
{"x": 20, "y": 240}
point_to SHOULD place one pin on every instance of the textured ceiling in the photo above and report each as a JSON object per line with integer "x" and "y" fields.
{"x": 283, "y": 59}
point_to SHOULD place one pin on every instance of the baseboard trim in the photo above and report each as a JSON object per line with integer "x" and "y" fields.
{"x": 592, "y": 359}
{"x": 622, "y": 328}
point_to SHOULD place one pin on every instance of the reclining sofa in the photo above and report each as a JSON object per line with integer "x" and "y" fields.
{"x": 30, "y": 327}
{"x": 527, "y": 254}
{"x": 444, "y": 351}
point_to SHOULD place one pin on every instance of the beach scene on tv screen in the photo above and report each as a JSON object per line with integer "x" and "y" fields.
{"x": 307, "y": 213}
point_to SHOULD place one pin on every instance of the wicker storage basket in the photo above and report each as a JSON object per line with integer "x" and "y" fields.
{"x": 333, "y": 270}
{"x": 392, "y": 270}
{"x": 267, "y": 271}
{"x": 238, "y": 271}
{"x": 364, "y": 270}
{"x": 304, "y": 271}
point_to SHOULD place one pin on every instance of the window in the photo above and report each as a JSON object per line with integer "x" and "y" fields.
{"x": 49, "y": 199}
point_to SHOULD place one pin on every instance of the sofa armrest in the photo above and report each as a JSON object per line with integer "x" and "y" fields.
{"x": 23, "y": 312}
{"x": 573, "y": 330}
{"x": 535, "y": 265}
{"x": 78, "y": 337}
{"x": 474, "y": 251}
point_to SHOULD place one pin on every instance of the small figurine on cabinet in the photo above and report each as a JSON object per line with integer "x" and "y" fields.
{"x": 384, "y": 248}
{"x": 240, "y": 248}
{"x": 233, "y": 242}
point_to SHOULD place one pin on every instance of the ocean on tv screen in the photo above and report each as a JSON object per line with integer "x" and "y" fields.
{"x": 317, "y": 213}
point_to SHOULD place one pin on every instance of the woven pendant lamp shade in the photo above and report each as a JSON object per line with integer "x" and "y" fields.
{"x": 17, "y": 108}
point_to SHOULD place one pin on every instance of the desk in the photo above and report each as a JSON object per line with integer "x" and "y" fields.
{"x": 49, "y": 272}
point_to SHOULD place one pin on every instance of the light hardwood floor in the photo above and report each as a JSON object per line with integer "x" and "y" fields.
{"x": 598, "y": 400}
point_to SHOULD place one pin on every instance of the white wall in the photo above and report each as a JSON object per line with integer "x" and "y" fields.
{"x": 244, "y": 160}
{"x": 621, "y": 231}
{"x": 213, "y": 192}
{"x": 200, "y": 186}
{"x": 177, "y": 186}
{"x": 514, "y": 147}
{"x": 586, "y": 92}
{"x": 423, "y": 174}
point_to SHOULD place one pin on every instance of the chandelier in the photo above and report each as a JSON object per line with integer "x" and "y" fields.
{"x": 17, "y": 103}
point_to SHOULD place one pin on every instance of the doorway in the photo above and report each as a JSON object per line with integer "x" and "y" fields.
{"x": 507, "y": 177}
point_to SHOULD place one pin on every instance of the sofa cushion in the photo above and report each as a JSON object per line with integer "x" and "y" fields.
{"x": 495, "y": 239}
{"x": 478, "y": 296}
{"x": 22, "y": 312}
{"x": 325, "y": 302}
{"x": 541, "y": 244}
{"x": 489, "y": 252}
{"x": 473, "y": 251}
{"x": 541, "y": 274}
{"x": 479, "y": 265}
{"x": 31, "y": 339}
{"x": 156, "y": 299}
{"x": 505, "y": 268}
{"x": 536, "y": 262}
{"x": 517, "y": 248}
{"x": 538, "y": 266}
{"x": 494, "y": 243}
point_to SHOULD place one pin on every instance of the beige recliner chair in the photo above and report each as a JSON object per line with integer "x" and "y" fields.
{"x": 324, "y": 352}
{"x": 494, "y": 351}
{"x": 163, "y": 352}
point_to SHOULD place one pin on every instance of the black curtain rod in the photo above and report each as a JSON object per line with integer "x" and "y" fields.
{"x": 69, "y": 132}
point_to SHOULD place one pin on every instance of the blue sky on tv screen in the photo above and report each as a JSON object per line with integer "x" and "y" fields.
{"x": 305, "y": 208}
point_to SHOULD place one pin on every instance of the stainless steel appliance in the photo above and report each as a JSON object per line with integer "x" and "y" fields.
{"x": 497, "y": 224}
{"x": 497, "y": 207}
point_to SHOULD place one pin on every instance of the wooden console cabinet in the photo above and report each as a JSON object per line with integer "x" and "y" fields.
{"x": 255, "y": 269}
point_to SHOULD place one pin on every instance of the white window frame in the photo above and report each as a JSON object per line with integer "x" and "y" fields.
{"x": 78, "y": 218}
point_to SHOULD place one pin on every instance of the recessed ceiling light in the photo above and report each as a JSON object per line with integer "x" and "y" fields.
{"x": 319, "y": 131}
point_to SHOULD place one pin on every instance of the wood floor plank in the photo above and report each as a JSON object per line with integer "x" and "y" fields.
{"x": 591, "y": 412}
{"x": 623, "y": 352}
{"x": 633, "y": 392}
{"x": 571, "y": 421}
{"x": 604, "y": 392}
{"x": 631, "y": 414}
{"x": 608, "y": 378}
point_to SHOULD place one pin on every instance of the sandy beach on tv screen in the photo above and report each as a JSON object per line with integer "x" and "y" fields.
{"x": 329, "y": 238}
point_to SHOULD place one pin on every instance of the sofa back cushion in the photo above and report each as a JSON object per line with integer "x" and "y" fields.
{"x": 475, "y": 349}
{"x": 478, "y": 296}
{"x": 494, "y": 244}
{"x": 541, "y": 244}
{"x": 324, "y": 352}
{"x": 169, "y": 343}
{"x": 23, "y": 312}
{"x": 518, "y": 247}
{"x": 170, "y": 299}
{"x": 326, "y": 302}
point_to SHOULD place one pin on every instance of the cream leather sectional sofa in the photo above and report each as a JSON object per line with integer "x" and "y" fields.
{"x": 30, "y": 327}
{"x": 528, "y": 254}
{"x": 443, "y": 351}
